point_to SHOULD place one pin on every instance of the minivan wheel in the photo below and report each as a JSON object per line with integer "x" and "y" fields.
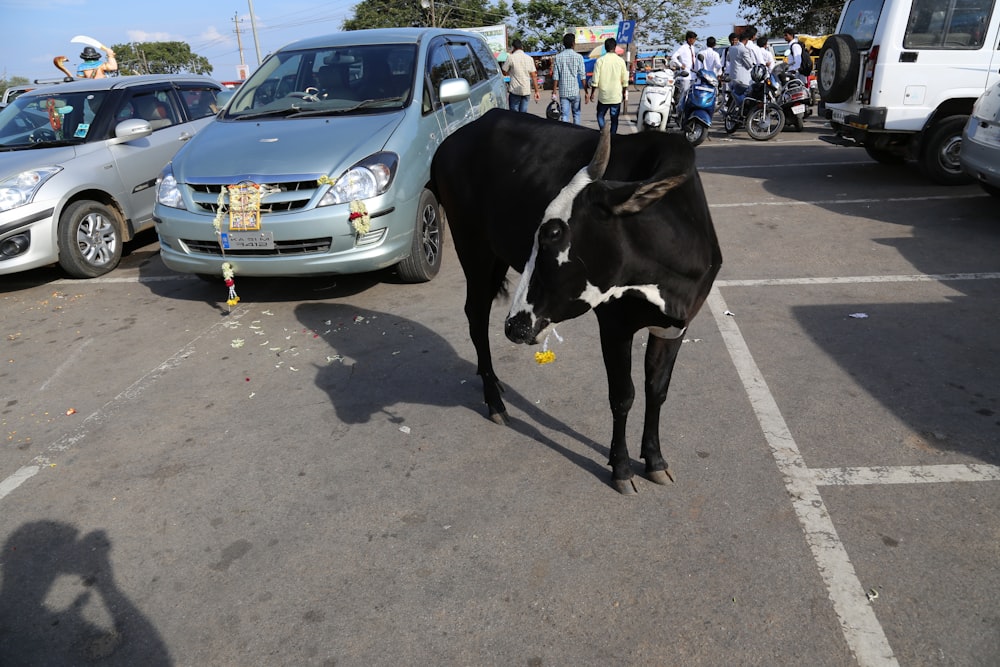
{"x": 424, "y": 261}
{"x": 939, "y": 152}
{"x": 839, "y": 62}
{"x": 90, "y": 239}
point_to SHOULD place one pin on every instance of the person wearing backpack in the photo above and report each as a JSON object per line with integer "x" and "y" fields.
{"x": 799, "y": 60}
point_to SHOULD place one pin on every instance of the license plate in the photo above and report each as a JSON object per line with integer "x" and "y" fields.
{"x": 839, "y": 116}
{"x": 799, "y": 109}
{"x": 248, "y": 240}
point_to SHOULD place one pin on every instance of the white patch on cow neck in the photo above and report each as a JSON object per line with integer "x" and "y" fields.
{"x": 595, "y": 297}
{"x": 560, "y": 208}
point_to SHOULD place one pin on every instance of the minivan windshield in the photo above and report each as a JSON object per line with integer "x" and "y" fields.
{"x": 331, "y": 80}
{"x": 859, "y": 21}
{"x": 36, "y": 121}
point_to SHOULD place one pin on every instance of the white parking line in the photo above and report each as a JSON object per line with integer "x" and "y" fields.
{"x": 112, "y": 407}
{"x": 935, "y": 474}
{"x": 849, "y": 280}
{"x": 862, "y": 631}
{"x": 769, "y": 168}
{"x": 843, "y": 202}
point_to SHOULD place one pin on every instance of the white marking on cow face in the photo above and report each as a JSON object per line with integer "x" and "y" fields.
{"x": 560, "y": 208}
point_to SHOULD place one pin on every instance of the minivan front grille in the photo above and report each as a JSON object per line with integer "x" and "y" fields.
{"x": 280, "y": 197}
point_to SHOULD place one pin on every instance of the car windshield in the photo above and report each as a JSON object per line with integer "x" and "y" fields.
{"x": 36, "y": 121}
{"x": 334, "y": 80}
{"x": 860, "y": 19}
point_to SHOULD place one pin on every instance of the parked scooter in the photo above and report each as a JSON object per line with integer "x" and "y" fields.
{"x": 695, "y": 111}
{"x": 755, "y": 107}
{"x": 656, "y": 101}
{"x": 793, "y": 98}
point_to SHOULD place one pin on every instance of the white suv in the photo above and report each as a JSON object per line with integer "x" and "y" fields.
{"x": 900, "y": 77}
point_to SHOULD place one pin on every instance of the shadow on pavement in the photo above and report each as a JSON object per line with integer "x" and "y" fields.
{"x": 60, "y": 605}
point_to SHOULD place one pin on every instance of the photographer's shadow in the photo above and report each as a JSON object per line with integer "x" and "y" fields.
{"x": 379, "y": 360}
{"x": 59, "y": 604}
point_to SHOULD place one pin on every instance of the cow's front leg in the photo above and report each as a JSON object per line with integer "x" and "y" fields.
{"x": 616, "y": 346}
{"x": 661, "y": 353}
{"x": 478, "y": 302}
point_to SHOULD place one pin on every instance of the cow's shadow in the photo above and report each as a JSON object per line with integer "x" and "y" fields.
{"x": 378, "y": 360}
{"x": 60, "y": 604}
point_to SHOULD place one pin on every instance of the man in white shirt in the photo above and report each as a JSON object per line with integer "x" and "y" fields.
{"x": 684, "y": 58}
{"x": 712, "y": 61}
{"x": 765, "y": 53}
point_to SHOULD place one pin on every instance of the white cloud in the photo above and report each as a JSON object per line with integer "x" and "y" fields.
{"x": 143, "y": 36}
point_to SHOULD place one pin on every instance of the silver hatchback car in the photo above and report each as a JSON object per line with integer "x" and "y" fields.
{"x": 980, "y": 154}
{"x": 79, "y": 161}
{"x": 320, "y": 162}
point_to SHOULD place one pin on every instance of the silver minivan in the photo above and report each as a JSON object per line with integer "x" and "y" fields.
{"x": 320, "y": 162}
{"x": 79, "y": 161}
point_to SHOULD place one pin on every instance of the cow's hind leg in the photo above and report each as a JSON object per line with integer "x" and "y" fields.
{"x": 616, "y": 346}
{"x": 661, "y": 353}
{"x": 478, "y": 303}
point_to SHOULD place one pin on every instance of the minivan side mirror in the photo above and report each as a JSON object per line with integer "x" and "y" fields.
{"x": 454, "y": 90}
{"x": 131, "y": 129}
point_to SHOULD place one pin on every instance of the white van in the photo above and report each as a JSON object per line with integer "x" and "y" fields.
{"x": 900, "y": 77}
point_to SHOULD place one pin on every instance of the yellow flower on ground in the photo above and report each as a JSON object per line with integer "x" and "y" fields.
{"x": 546, "y": 357}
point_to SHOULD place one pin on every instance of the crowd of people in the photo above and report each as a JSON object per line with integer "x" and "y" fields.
{"x": 609, "y": 83}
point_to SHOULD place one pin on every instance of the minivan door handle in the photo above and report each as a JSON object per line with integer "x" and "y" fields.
{"x": 185, "y": 136}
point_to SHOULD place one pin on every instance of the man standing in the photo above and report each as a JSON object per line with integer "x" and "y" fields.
{"x": 523, "y": 78}
{"x": 796, "y": 52}
{"x": 92, "y": 67}
{"x": 610, "y": 80}
{"x": 685, "y": 59}
{"x": 711, "y": 61}
{"x": 567, "y": 73}
{"x": 740, "y": 61}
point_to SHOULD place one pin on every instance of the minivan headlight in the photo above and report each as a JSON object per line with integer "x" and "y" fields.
{"x": 20, "y": 189}
{"x": 369, "y": 178}
{"x": 167, "y": 191}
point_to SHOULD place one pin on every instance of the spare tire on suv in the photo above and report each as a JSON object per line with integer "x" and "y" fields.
{"x": 839, "y": 62}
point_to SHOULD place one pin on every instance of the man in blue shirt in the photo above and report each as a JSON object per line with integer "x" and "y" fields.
{"x": 567, "y": 73}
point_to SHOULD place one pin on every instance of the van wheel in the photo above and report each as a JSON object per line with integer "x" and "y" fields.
{"x": 939, "y": 152}
{"x": 424, "y": 261}
{"x": 90, "y": 239}
{"x": 839, "y": 64}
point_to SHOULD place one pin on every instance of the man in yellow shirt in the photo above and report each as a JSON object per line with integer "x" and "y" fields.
{"x": 610, "y": 81}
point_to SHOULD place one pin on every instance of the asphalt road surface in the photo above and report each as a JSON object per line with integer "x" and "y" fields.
{"x": 311, "y": 478}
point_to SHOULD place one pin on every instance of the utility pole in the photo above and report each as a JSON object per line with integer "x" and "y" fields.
{"x": 239, "y": 41}
{"x": 253, "y": 29}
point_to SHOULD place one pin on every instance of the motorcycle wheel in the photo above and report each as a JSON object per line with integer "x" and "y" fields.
{"x": 695, "y": 133}
{"x": 731, "y": 121}
{"x": 765, "y": 123}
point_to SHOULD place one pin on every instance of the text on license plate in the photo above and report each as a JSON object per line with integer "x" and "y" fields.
{"x": 799, "y": 109}
{"x": 839, "y": 116}
{"x": 248, "y": 240}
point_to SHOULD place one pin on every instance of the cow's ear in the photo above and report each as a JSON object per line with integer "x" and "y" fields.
{"x": 644, "y": 195}
{"x": 599, "y": 163}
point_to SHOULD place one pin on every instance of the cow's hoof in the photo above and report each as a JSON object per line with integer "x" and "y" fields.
{"x": 626, "y": 487}
{"x": 660, "y": 476}
{"x": 499, "y": 418}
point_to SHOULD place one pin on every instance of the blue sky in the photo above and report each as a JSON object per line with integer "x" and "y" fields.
{"x": 35, "y": 31}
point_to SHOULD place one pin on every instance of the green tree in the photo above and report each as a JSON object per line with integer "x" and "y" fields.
{"x": 453, "y": 14}
{"x": 541, "y": 24}
{"x": 12, "y": 81}
{"x": 159, "y": 58}
{"x": 808, "y": 17}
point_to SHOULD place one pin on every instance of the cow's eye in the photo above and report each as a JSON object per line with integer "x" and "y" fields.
{"x": 552, "y": 232}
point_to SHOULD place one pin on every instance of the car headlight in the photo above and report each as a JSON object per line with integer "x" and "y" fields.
{"x": 19, "y": 189}
{"x": 368, "y": 178}
{"x": 167, "y": 191}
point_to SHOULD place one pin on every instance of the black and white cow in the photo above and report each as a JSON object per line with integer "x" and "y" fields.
{"x": 615, "y": 224}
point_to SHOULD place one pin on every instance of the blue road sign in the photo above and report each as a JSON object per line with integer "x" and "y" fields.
{"x": 625, "y": 30}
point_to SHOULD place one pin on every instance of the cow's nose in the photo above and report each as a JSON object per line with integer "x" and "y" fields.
{"x": 518, "y": 329}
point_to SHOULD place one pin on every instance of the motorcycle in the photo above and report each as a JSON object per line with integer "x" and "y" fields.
{"x": 754, "y": 107}
{"x": 695, "y": 111}
{"x": 656, "y": 101}
{"x": 794, "y": 97}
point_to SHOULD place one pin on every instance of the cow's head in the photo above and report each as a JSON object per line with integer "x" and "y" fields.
{"x": 568, "y": 261}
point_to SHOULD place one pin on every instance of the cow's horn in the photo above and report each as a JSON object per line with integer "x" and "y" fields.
{"x": 600, "y": 160}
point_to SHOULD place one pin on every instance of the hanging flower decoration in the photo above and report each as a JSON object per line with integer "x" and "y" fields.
{"x": 227, "y": 275}
{"x": 547, "y": 356}
{"x": 359, "y": 218}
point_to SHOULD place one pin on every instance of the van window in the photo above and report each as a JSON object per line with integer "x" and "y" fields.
{"x": 486, "y": 58}
{"x": 439, "y": 68}
{"x": 953, "y": 24}
{"x": 200, "y": 101}
{"x": 466, "y": 63}
{"x": 860, "y": 20}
